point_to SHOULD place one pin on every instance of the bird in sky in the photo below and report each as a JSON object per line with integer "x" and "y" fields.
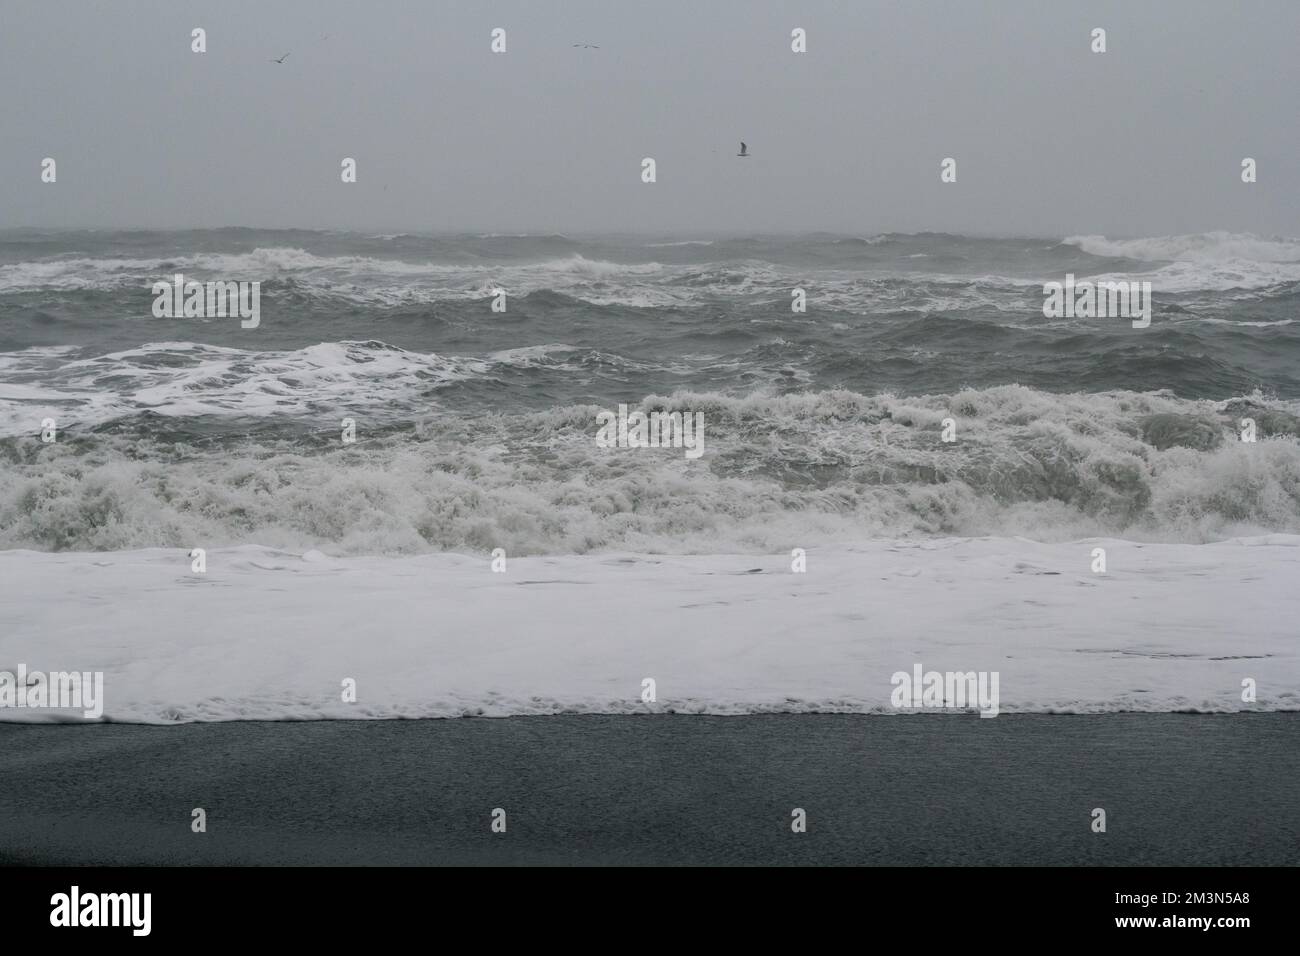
{"x": 282, "y": 59}
{"x": 744, "y": 150}
{"x": 587, "y": 46}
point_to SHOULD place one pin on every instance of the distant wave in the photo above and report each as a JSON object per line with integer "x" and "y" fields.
{"x": 267, "y": 263}
{"x": 1205, "y": 261}
{"x": 1208, "y": 246}
{"x": 521, "y": 235}
{"x": 833, "y": 268}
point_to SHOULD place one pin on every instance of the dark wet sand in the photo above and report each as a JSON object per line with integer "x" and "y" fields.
{"x": 1178, "y": 789}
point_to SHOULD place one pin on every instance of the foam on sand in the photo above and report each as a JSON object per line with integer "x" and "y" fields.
{"x": 270, "y": 635}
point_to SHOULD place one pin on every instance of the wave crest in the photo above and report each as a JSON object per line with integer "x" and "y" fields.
{"x": 778, "y": 472}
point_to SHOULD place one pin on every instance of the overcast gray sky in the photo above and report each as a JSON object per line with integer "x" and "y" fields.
{"x": 1050, "y": 138}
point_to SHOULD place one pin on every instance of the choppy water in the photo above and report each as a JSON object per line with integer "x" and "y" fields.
{"x": 476, "y": 428}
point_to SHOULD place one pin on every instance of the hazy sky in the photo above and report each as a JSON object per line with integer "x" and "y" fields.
{"x": 1050, "y": 139}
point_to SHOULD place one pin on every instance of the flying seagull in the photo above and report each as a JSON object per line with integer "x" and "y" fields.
{"x": 587, "y": 46}
{"x": 282, "y": 59}
{"x": 744, "y": 150}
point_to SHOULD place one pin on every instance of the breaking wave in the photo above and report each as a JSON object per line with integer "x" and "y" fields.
{"x": 778, "y": 471}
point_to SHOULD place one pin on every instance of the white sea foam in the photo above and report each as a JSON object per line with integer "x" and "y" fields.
{"x": 368, "y": 280}
{"x": 175, "y": 379}
{"x": 267, "y": 263}
{"x": 1208, "y": 246}
{"x": 779, "y": 470}
{"x": 271, "y": 635}
{"x": 1205, "y": 261}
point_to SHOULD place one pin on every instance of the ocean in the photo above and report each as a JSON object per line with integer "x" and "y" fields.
{"x": 475, "y": 430}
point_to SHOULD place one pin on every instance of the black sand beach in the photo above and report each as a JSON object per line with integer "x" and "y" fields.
{"x": 1178, "y": 789}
